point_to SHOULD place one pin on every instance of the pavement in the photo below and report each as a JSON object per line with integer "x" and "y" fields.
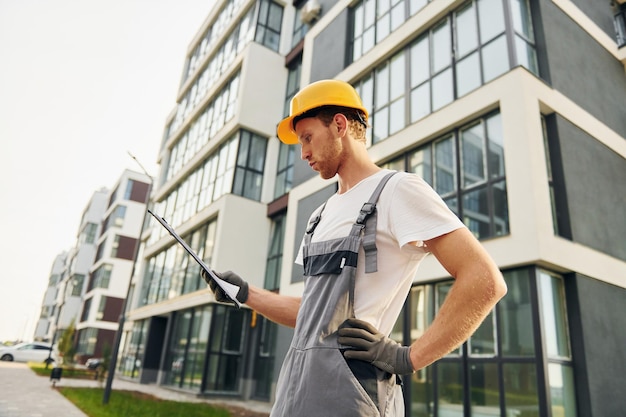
{"x": 23, "y": 393}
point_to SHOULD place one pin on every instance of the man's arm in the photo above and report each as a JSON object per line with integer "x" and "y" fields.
{"x": 478, "y": 286}
{"x": 281, "y": 309}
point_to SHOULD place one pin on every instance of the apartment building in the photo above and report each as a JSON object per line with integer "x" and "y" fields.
{"x": 48, "y": 303}
{"x": 67, "y": 284}
{"x": 110, "y": 268}
{"x": 513, "y": 110}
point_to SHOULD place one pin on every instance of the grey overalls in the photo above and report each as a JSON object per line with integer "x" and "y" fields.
{"x": 315, "y": 379}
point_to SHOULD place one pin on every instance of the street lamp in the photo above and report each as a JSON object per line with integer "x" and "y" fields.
{"x": 120, "y": 329}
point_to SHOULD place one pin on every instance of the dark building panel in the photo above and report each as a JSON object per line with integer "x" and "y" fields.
{"x": 597, "y": 323}
{"x": 600, "y": 12}
{"x": 330, "y": 49}
{"x": 112, "y": 309}
{"x": 593, "y": 177}
{"x": 306, "y": 206}
{"x": 582, "y": 69}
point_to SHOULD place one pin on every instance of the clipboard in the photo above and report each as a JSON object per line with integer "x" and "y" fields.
{"x": 231, "y": 290}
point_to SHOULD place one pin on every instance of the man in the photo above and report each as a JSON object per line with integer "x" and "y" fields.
{"x": 360, "y": 254}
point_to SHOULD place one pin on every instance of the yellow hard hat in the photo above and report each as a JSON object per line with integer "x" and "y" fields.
{"x": 318, "y": 94}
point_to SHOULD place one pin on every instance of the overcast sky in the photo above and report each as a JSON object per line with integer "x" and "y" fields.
{"x": 82, "y": 83}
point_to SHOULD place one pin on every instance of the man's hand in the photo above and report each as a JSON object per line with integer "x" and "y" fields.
{"x": 230, "y": 277}
{"x": 374, "y": 347}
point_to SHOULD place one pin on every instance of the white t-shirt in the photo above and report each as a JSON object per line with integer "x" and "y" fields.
{"x": 409, "y": 210}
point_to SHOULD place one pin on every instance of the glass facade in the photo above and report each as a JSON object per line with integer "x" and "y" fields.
{"x": 236, "y": 166}
{"x": 466, "y": 168}
{"x": 458, "y": 54}
{"x": 171, "y": 272}
{"x": 129, "y": 364}
{"x": 499, "y": 369}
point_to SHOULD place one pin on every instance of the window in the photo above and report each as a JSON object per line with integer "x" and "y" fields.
{"x": 205, "y": 126}
{"x": 187, "y": 349}
{"x": 116, "y": 218}
{"x": 300, "y": 28}
{"x": 213, "y": 33}
{"x": 619, "y": 21}
{"x": 133, "y": 351}
{"x": 101, "y": 276}
{"x": 461, "y": 52}
{"x": 86, "y": 307}
{"x": 497, "y": 371}
{"x": 268, "y": 24}
{"x": 264, "y": 362}
{"x": 374, "y": 20}
{"x": 466, "y": 168}
{"x": 226, "y": 346}
{"x": 275, "y": 255}
{"x": 77, "y": 281}
{"x": 389, "y": 100}
{"x": 88, "y": 235}
{"x": 87, "y": 339}
{"x": 171, "y": 272}
{"x": 250, "y": 165}
{"x": 237, "y": 166}
{"x": 101, "y": 308}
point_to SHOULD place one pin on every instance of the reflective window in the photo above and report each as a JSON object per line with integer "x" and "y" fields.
{"x": 466, "y": 168}
{"x": 300, "y": 28}
{"x": 562, "y": 390}
{"x": 130, "y": 361}
{"x": 250, "y": 166}
{"x": 466, "y": 49}
{"x": 275, "y": 255}
{"x": 554, "y": 312}
{"x": 389, "y": 103}
{"x": 484, "y": 389}
{"x": 226, "y": 345}
{"x": 205, "y": 126}
{"x": 496, "y": 371}
{"x": 264, "y": 362}
{"x": 374, "y": 20}
{"x": 287, "y": 153}
{"x": 269, "y": 24}
{"x": 171, "y": 272}
{"x": 521, "y": 396}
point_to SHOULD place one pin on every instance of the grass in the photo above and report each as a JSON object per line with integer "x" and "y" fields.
{"x": 125, "y": 403}
{"x": 136, "y": 404}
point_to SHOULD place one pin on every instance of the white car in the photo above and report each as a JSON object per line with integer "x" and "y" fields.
{"x": 27, "y": 352}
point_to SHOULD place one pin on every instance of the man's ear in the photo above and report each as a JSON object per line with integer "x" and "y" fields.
{"x": 342, "y": 123}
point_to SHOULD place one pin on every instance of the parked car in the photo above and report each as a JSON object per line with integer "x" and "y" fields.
{"x": 93, "y": 363}
{"x": 28, "y": 352}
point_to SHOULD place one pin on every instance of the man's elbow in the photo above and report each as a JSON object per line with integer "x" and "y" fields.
{"x": 498, "y": 287}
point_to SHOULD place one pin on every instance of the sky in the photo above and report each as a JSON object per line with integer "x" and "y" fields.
{"x": 82, "y": 85}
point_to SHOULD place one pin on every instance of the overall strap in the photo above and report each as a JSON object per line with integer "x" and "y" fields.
{"x": 313, "y": 224}
{"x": 366, "y": 224}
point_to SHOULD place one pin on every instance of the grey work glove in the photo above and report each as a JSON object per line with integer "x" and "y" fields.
{"x": 230, "y": 277}
{"x": 374, "y": 347}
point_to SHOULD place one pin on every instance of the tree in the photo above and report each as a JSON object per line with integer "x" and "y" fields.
{"x": 66, "y": 344}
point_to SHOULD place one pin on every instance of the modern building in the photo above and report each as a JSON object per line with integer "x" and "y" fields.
{"x": 513, "y": 110}
{"x": 45, "y": 323}
{"x": 113, "y": 237}
{"x": 63, "y": 298}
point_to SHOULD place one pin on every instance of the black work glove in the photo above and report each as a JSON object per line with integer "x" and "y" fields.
{"x": 374, "y": 347}
{"x": 231, "y": 278}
